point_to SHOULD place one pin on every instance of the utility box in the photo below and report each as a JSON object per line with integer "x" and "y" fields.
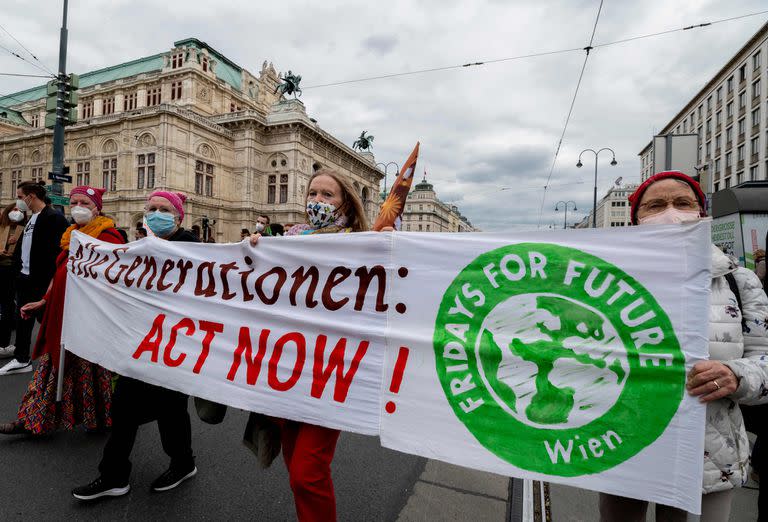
{"x": 740, "y": 220}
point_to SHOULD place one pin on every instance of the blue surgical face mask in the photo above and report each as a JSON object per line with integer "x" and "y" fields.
{"x": 161, "y": 223}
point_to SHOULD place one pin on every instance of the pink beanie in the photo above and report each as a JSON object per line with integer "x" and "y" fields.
{"x": 177, "y": 199}
{"x": 92, "y": 193}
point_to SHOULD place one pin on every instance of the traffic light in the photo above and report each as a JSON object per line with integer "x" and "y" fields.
{"x": 61, "y": 100}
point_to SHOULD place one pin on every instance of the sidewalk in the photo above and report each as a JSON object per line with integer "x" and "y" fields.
{"x": 579, "y": 505}
{"x": 447, "y": 492}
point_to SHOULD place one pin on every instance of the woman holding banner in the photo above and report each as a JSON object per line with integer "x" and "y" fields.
{"x": 332, "y": 207}
{"x": 87, "y": 392}
{"x": 734, "y": 373}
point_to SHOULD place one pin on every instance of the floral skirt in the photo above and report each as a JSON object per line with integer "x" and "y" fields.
{"x": 87, "y": 397}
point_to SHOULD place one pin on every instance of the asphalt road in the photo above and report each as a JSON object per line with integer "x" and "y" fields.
{"x": 37, "y": 474}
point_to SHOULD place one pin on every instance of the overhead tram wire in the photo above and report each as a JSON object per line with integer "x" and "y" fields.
{"x": 20, "y": 57}
{"x": 625, "y": 40}
{"x": 25, "y": 75}
{"x": 680, "y": 29}
{"x": 445, "y": 68}
{"x": 28, "y": 51}
{"x": 587, "y": 49}
{"x": 478, "y": 63}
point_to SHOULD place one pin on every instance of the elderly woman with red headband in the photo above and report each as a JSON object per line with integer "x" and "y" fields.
{"x": 734, "y": 374}
{"x": 87, "y": 387}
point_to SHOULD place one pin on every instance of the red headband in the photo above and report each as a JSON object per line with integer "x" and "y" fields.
{"x": 637, "y": 195}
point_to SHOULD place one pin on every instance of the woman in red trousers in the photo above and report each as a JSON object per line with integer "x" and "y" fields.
{"x": 332, "y": 207}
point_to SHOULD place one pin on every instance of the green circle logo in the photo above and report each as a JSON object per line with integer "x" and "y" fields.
{"x": 557, "y": 361}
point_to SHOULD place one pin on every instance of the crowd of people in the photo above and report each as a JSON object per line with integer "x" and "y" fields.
{"x": 35, "y": 241}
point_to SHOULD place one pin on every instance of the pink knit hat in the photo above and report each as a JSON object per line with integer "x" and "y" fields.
{"x": 92, "y": 193}
{"x": 177, "y": 199}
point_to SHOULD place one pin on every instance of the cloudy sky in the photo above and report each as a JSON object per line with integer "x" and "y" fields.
{"x": 488, "y": 134}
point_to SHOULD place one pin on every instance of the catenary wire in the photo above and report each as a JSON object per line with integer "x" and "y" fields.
{"x": 28, "y": 51}
{"x": 679, "y": 29}
{"x": 25, "y": 75}
{"x": 587, "y": 49}
{"x": 533, "y": 55}
{"x": 445, "y": 68}
{"x": 20, "y": 57}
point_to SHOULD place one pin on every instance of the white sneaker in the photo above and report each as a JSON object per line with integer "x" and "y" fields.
{"x": 16, "y": 367}
{"x": 7, "y": 351}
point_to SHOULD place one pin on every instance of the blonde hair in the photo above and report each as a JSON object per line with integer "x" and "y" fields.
{"x": 351, "y": 204}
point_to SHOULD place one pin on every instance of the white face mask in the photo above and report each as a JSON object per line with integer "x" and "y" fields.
{"x": 16, "y": 216}
{"x": 22, "y": 205}
{"x": 81, "y": 215}
{"x": 671, "y": 216}
{"x": 259, "y": 227}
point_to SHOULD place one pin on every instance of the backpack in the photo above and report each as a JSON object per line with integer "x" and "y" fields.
{"x": 735, "y": 289}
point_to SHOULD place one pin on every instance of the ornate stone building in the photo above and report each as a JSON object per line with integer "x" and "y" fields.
{"x": 424, "y": 212}
{"x": 187, "y": 120}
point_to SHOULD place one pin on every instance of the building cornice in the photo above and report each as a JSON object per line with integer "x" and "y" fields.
{"x": 289, "y": 119}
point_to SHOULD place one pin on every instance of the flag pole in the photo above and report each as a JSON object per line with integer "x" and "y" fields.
{"x": 392, "y": 208}
{"x": 60, "y": 378}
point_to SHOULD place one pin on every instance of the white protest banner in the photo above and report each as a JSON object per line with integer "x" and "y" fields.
{"x": 558, "y": 356}
{"x": 290, "y": 328}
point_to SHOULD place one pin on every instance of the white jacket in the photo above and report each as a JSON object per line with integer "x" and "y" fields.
{"x": 726, "y": 448}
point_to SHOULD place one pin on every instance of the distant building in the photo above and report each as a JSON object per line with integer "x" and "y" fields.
{"x": 612, "y": 210}
{"x": 188, "y": 120}
{"x": 424, "y": 212}
{"x": 729, "y": 116}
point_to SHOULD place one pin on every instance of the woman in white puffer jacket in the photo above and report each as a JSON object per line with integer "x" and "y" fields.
{"x": 737, "y": 369}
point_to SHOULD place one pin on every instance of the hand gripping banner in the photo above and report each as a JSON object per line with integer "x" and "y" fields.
{"x": 557, "y": 356}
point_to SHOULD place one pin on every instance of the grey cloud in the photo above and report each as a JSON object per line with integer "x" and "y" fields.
{"x": 380, "y": 44}
{"x": 517, "y": 164}
{"x": 481, "y": 128}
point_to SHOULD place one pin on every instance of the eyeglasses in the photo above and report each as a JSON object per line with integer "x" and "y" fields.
{"x": 655, "y": 206}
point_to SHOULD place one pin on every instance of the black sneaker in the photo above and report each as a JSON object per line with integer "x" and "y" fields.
{"x": 172, "y": 478}
{"x": 100, "y": 488}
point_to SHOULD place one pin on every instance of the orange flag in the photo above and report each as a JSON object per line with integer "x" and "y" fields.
{"x": 391, "y": 211}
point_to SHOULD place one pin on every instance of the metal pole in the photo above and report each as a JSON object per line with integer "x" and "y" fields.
{"x": 565, "y": 219}
{"x": 594, "y": 199}
{"x": 58, "y": 130}
{"x": 60, "y": 377}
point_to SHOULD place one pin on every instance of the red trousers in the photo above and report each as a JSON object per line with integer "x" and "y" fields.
{"x": 308, "y": 451}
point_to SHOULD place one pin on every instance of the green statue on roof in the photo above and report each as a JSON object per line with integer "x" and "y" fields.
{"x": 289, "y": 84}
{"x": 364, "y": 143}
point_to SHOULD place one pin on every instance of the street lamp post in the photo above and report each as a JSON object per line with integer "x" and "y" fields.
{"x": 594, "y": 197}
{"x": 565, "y": 204}
{"x": 386, "y": 166}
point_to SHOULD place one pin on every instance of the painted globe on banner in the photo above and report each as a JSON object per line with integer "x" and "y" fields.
{"x": 555, "y": 362}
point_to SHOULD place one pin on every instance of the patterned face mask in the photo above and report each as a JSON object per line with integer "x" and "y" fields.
{"x": 320, "y": 214}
